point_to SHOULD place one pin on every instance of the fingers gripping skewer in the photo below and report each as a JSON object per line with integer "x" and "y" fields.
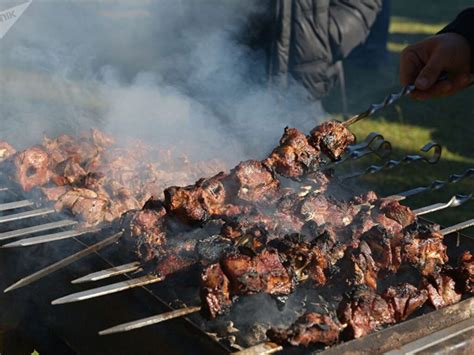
{"x": 145, "y": 322}
{"x": 63, "y": 263}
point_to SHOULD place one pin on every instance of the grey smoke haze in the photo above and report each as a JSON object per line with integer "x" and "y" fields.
{"x": 167, "y": 71}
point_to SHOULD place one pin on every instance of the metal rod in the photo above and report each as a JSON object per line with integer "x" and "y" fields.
{"x": 108, "y": 289}
{"x": 457, "y": 227}
{"x": 263, "y": 348}
{"x": 63, "y": 263}
{"x": 35, "y": 229}
{"x": 145, "y": 322}
{"x": 49, "y": 238}
{"x": 3, "y": 189}
{"x": 408, "y": 159}
{"x": 455, "y": 201}
{"x": 104, "y": 274}
{"x": 434, "y": 186}
{"x": 25, "y": 215}
{"x": 390, "y": 99}
{"x": 16, "y": 204}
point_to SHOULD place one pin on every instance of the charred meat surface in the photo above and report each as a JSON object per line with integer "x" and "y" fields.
{"x": 394, "y": 210}
{"x": 441, "y": 290}
{"x": 294, "y": 157}
{"x": 254, "y": 182}
{"x": 364, "y": 311}
{"x": 423, "y": 248}
{"x": 196, "y": 204}
{"x": 215, "y": 293}
{"x": 465, "y": 272}
{"x": 263, "y": 273}
{"x": 404, "y": 300}
{"x": 332, "y": 138}
{"x": 310, "y": 328}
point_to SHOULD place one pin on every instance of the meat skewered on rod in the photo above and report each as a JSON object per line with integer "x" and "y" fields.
{"x": 270, "y": 257}
{"x": 142, "y": 322}
{"x": 455, "y": 201}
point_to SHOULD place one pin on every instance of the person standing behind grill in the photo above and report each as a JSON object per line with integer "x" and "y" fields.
{"x": 305, "y": 39}
{"x": 450, "y": 52}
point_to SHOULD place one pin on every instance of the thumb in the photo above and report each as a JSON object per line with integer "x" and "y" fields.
{"x": 429, "y": 74}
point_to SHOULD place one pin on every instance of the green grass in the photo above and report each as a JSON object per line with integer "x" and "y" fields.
{"x": 409, "y": 124}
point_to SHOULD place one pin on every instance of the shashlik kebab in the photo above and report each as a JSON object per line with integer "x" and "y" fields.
{"x": 362, "y": 311}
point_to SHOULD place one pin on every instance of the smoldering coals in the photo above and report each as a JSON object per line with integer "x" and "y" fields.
{"x": 165, "y": 71}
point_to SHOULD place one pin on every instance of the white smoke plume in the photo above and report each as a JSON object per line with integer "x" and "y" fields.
{"x": 167, "y": 71}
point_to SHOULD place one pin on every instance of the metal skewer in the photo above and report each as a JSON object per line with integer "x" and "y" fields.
{"x": 434, "y": 186}
{"x": 3, "y": 189}
{"x": 28, "y": 214}
{"x": 125, "y": 327}
{"x": 39, "y": 228}
{"x": 374, "y": 143}
{"x": 63, "y": 262}
{"x": 15, "y": 205}
{"x": 408, "y": 159}
{"x": 104, "y": 274}
{"x": 49, "y": 238}
{"x": 108, "y": 289}
{"x": 455, "y": 201}
{"x": 390, "y": 99}
{"x": 263, "y": 348}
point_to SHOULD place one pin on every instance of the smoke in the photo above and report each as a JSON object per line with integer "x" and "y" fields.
{"x": 167, "y": 71}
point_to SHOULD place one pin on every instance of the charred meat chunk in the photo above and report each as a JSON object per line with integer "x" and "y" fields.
{"x": 423, "y": 248}
{"x": 465, "y": 272}
{"x": 364, "y": 269}
{"x": 32, "y": 168}
{"x": 294, "y": 157}
{"x": 215, "y": 294}
{"x": 310, "y": 328}
{"x": 332, "y": 138}
{"x": 441, "y": 290}
{"x": 385, "y": 248}
{"x": 263, "y": 273}
{"x": 364, "y": 311}
{"x": 394, "y": 210}
{"x": 404, "y": 300}
{"x": 196, "y": 204}
{"x": 254, "y": 182}
{"x": 146, "y": 230}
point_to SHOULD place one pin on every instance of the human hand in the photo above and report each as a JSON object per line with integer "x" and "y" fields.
{"x": 424, "y": 62}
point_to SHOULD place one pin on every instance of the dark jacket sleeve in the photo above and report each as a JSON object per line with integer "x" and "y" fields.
{"x": 463, "y": 25}
{"x": 349, "y": 24}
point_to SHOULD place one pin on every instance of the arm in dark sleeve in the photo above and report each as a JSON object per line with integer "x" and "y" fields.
{"x": 463, "y": 25}
{"x": 349, "y": 24}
